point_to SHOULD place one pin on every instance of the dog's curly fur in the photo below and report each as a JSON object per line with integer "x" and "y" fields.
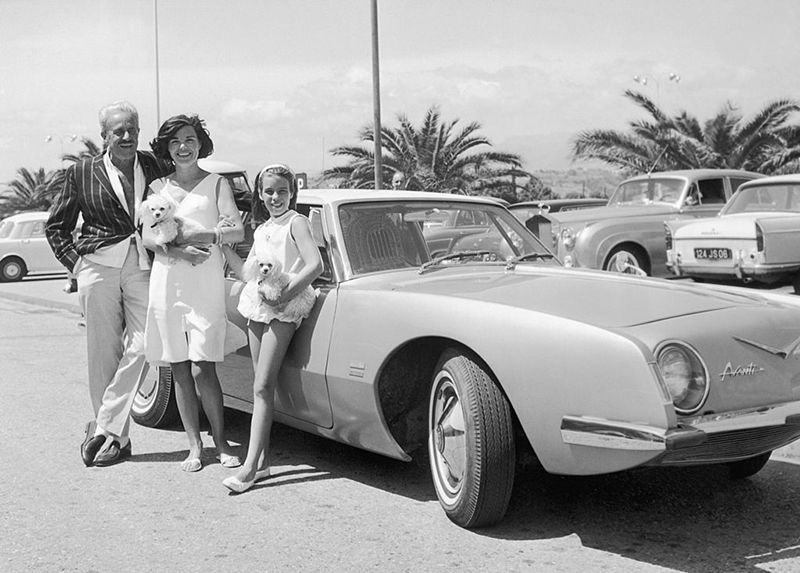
{"x": 271, "y": 279}
{"x": 158, "y": 213}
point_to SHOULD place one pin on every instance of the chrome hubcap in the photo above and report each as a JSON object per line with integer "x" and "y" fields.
{"x": 448, "y": 437}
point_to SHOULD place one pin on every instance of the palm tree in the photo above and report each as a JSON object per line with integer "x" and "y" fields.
{"x": 90, "y": 150}
{"x": 434, "y": 157}
{"x": 30, "y": 191}
{"x": 765, "y": 143}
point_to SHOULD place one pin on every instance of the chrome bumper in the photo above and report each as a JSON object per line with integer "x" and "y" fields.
{"x": 580, "y": 431}
{"x": 693, "y": 433}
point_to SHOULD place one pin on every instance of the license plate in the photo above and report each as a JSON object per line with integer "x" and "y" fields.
{"x": 712, "y": 254}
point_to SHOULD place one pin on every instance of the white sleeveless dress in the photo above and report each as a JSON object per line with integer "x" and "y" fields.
{"x": 186, "y": 316}
{"x": 274, "y": 237}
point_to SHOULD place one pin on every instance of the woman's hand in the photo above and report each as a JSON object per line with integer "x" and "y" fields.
{"x": 190, "y": 253}
{"x": 190, "y": 232}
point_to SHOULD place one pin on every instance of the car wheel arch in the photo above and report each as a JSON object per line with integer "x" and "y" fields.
{"x": 403, "y": 389}
{"x": 631, "y": 246}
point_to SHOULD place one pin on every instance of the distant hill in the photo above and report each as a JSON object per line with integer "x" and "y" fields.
{"x": 580, "y": 182}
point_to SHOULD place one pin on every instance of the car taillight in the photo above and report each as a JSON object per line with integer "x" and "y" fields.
{"x": 668, "y": 236}
{"x": 759, "y": 239}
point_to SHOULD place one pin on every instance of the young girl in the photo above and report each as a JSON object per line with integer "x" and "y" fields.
{"x": 286, "y": 236}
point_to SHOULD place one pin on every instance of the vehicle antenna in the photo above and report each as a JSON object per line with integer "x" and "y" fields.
{"x": 653, "y": 166}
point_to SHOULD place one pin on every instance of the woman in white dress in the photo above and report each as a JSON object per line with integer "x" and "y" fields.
{"x": 186, "y": 316}
{"x": 286, "y": 237}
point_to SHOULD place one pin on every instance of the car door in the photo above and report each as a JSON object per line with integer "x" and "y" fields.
{"x": 34, "y": 249}
{"x": 302, "y": 391}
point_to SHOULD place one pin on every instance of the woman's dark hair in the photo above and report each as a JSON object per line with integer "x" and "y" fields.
{"x": 168, "y": 129}
{"x": 259, "y": 211}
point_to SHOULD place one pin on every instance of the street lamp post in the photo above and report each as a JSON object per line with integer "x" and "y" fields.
{"x": 158, "y": 87}
{"x": 643, "y": 80}
{"x": 376, "y": 99}
{"x": 70, "y": 138}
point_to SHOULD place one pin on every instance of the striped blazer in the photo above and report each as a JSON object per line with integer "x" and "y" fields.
{"x": 87, "y": 191}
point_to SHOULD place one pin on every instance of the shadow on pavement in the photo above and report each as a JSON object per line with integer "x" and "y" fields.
{"x": 690, "y": 519}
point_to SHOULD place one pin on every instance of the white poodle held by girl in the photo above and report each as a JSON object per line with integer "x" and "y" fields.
{"x": 265, "y": 283}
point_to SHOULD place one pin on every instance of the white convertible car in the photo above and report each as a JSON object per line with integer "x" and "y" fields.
{"x": 461, "y": 357}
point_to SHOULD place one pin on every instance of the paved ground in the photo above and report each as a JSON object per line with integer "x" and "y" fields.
{"x": 331, "y": 507}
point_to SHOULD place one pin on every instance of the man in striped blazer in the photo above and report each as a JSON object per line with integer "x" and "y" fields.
{"x": 112, "y": 269}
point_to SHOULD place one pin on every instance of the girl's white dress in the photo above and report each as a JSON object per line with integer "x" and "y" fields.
{"x": 186, "y": 316}
{"x": 274, "y": 238}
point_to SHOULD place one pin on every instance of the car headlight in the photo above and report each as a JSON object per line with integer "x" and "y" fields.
{"x": 685, "y": 376}
{"x": 568, "y": 238}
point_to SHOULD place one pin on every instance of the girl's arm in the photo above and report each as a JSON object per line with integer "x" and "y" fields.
{"x": 230, "y": 229}
{"x": 235, "y": 262}
{"x": 312, "y": 262}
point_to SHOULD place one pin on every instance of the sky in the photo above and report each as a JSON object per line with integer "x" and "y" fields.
{"x": 287, "y": 81}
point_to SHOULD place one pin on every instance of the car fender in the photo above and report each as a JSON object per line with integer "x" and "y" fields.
{"x": 597, "y": 240}
{"x": 531, "y": 367}
{"x": 781, "y": 239}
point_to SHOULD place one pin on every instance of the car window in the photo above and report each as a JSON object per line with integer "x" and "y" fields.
{"x": 642, "y": 191}
{"x": 6, "y": 227}
{"x": 712, "y": 191}
{"x": 736, "y": 182}
{"x": 37, "y": 229}
{"x": 766, "y": 198}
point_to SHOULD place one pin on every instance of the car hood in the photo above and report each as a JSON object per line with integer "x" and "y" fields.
{"x": 612, "y": 212}
{"x": 737, "y": 225}
{"x": 606, "y": 300}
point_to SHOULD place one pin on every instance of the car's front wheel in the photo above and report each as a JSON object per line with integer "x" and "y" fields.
{"x": 626, "y": 260}
{"x": 154, "y": 405}
{"x": 12, "y": 269}
{"x": 746, "y": 468}
{"x": 470, "y": 442}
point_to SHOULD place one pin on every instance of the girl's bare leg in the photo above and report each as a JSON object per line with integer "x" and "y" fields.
{"x": 274, "y": 342}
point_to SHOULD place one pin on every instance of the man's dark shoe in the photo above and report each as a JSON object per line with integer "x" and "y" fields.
{"x": 113, "y": 454}
{"x": 91, "y": 444}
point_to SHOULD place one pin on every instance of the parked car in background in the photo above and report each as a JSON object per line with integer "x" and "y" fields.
{"x": 533, "y": 213}
{"x": 236, "y": 177}
{"x": 627, "y": 235}
{"x": 756, "y": 236}
{"x": 24, "y": 249}
{"x": 470, "y": 357}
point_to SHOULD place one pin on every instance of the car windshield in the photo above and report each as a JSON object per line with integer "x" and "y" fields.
{"x": 646, "y": 191}
{"x": 394, "y": 235}
{"x": 783, "y": 197}
{"x": 6, "y": 227}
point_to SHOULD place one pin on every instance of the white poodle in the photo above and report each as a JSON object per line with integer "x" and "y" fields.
{"x": 158, "y": 213}
{"x": 268, "y": 274}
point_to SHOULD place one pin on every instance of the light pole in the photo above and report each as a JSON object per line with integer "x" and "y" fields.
{"x": 158, "y": 88}
{"x": 642, "y": 80}
{"x": 376, "y": 99}
{"x": 70, "y": 138}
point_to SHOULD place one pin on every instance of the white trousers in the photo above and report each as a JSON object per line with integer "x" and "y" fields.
{"x": 114, "y": 303}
